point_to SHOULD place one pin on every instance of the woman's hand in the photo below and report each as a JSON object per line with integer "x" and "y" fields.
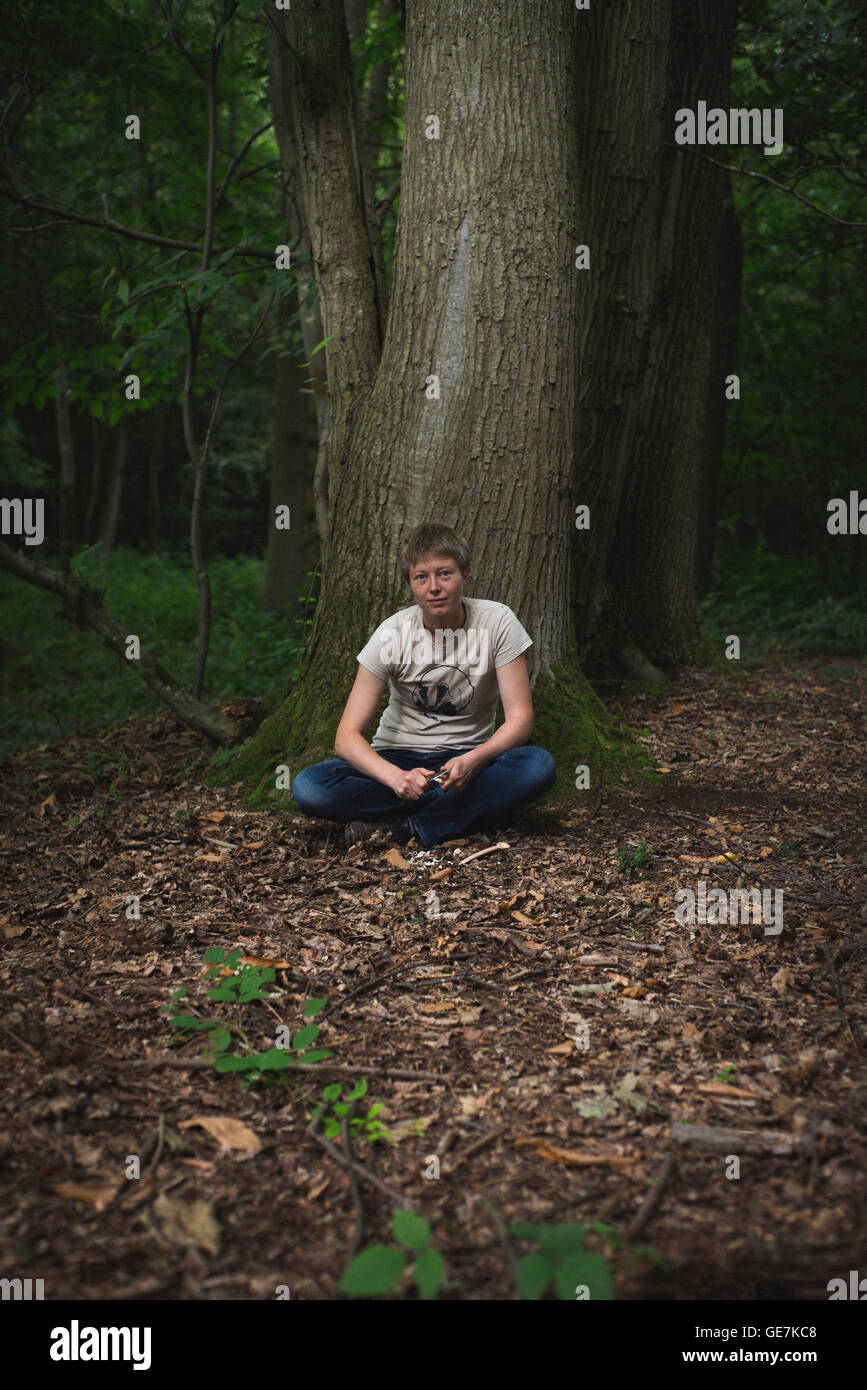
{"x": 459, "y": 772}
{"x": 409, "y": 786}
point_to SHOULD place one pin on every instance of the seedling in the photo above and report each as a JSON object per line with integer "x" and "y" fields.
{"x": 635, "y": 858}
{"x": 378, "y": 1269}
{"x": 237, "y": 984}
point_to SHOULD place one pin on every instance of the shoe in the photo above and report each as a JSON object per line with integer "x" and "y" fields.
{"x": 359, "y": 830}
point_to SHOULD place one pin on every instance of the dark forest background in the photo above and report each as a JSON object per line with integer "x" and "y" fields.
{"x": 156, "y": 256}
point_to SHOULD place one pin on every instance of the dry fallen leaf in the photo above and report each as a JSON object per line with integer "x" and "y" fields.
{"x": 396, "y": 859}
{"x": 100, "y": 1194}
{"x": 471, "y": 1105}
{"x": 215, "y": 816}
{"x": 573, "y": 1159}
{"x": 784, "y": 979}
{"x": 188, "y": 1223}
{"x": 209, "y": 858}
{"x": 266, "y": 962}
{"x": 10, "y": 933}
{"x": 229, "y": 1133}
{"x": 252, "y": 844}
{"x": 563, "y": 1049}
{"x": 719, "y": 1088}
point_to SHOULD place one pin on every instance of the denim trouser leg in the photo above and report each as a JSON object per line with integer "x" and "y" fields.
{"x": 335, "y": 790}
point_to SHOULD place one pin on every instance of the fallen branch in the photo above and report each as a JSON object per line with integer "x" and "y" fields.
{"x": 83, "y": 606}
{"x": 653, "y": 1198}
{"x": 719, "y": 1140}
{"x": 352, "y": 1166}
{"x": 309, "y": 1068}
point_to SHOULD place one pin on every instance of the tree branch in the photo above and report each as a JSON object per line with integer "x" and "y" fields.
{"x": 109, "y": 225}
{"x": 782, "y": 188}
{"x": 83, "y": 606}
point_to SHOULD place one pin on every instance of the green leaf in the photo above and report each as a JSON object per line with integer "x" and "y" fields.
{"x": 214, "y": 956}
{"x": 587, "y": 1268}
{"x": 304, "y": 1037}
{"x": 123, "y": 291}
{"x": 274, "y": 1059}
{"x": 331, "y": 1092}
{"x": 359, "y": 1089}
{"x": 534, "y": 1274}
{"x": 375, "y": 1270}
{"x": 318, "y": 1056}
{"x": 557, "y": 1241}
{"x": 313, "y": 1006}
{"x": 429, "y": 1273}
{"x": 410, "y": 1230}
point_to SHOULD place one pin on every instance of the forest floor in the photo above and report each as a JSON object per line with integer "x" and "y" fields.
{"x": 555, "y": 1038}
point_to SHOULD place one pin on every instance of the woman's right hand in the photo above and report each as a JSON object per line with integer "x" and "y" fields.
{"x": 409, "y": 786}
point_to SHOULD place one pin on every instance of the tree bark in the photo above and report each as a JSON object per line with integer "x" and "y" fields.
{"x": 623, "y": 57}
{"x": 82, "y": 606}
{"x": 655, "y": 556}
{"x": 485, "y": 299}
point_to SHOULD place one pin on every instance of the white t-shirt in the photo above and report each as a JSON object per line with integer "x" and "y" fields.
{"x": 443, "y": 686}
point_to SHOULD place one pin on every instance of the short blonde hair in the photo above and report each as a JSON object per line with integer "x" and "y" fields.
{"x": 432, "y": 538}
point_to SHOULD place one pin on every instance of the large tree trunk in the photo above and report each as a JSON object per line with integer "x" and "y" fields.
{"x": 485, "y": 299}
{"x": 725, "y": 361}
{"x": 623, "y": 57}
{"x": 655, "y": 556}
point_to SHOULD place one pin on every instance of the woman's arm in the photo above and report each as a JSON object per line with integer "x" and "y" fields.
{"x": 358, "y": 714}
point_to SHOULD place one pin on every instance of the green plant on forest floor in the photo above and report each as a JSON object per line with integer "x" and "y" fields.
{"x": 379, "y": 1268}
{"x": 236, "y": 984}
{"x": 335, "y": 1108}
{"x": 635, "y": 858}
{"x": 563, "y": 1261}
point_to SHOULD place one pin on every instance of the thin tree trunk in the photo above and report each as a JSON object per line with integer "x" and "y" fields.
{"x": 99, "y": 435}
{"x": 113, "y": 493}
{"x": 67, "y": 521}
{"x": 155, "y": 458}
{"x": 310, "y": 318}
{"x": 291, "y": 458}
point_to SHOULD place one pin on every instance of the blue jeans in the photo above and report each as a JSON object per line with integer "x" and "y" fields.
{"x": 335, "y": 790}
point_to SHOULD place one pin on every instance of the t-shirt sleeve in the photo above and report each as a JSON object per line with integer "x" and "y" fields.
{"x": 371, "y": 655}
{"x": 512, "y": 639}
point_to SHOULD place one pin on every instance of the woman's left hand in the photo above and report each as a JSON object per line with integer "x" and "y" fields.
{"x": 460, "y": 772}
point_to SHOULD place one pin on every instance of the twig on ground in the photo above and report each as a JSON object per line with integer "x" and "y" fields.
{"x": 653, "y": 1198}
{"x": 358, "y": 1238}
{"x": 359, "y": 1168}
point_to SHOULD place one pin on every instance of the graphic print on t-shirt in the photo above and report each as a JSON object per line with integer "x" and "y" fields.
{"x": 442, "y": 690}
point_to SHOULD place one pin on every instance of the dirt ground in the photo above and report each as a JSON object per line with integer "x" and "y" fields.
{"x": 535, "y": 1019}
